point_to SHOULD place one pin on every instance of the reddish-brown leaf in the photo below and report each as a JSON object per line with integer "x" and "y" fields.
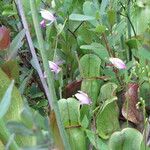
{"x": 72, "y": 88}
{"x": 4, "y": 38}
{"x": 132, "y": 113}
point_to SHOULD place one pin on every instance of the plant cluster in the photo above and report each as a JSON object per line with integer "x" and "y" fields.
{"x": 74, "y": 74}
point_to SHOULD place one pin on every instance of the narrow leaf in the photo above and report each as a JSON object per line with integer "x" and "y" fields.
{"x": 5, "y": 103}
{"x": 16, "y": 44}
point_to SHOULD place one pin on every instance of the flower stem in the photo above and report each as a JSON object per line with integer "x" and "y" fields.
{"x": 32, "y": 50}
{"x": 50, "y": 79}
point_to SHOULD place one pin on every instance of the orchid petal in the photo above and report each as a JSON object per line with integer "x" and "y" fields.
{"x": 54, "y": 67}
{"x": 118, "y": 63}
{"x": 83, "y": 98}
{"x": 47, "y": 15}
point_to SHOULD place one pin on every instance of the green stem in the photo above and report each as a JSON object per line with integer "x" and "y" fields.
{"x": 4, "y": 136}
{"x": 50, "y": 79}
{"x": 127, "y": 98}
{"x": 128, "y": 23}
{"x": 129, "y": 27}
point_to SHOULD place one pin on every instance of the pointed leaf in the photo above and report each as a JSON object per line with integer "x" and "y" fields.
{"x": 6, "y": 100}
{"x": 16, "y": 44}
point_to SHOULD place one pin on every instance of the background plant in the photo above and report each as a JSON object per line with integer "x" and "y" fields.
{"x": 44, "y": 113}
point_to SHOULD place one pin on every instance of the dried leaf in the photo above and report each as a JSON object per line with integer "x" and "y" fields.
{"x": 72, "y": 88}
{"x": 4, "y": 38}
{"x": 132, "y": 113}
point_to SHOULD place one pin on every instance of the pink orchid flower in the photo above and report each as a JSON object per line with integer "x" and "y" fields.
{"x": 47, "y": 16}
{"x": 118, "y": 63}
{"x": 83, "y": 98}
{"x": 54, "y": 67}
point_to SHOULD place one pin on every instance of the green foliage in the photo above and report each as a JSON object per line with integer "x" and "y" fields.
{"x": 111, "y": 16}
{"x": 16, "y": 102}
{"x": 128, "y": 138}
{"x": 84, "y": 35}
{"x": 79, "y": 17}
{"x": 107, "y": 119}
{"x": 69, "y": 109}
{"x": 97, "y": 142}
{"x": 95, "y": 48}
{"x": 90, "y": 69}
{"x": 16, "y": 44}
{"x": 75, "y": 135}
{"x": 6, "y": 100}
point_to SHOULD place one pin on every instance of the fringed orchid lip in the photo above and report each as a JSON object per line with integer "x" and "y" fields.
{"x": 43, "y": 23}
{"x": 118, "y": 63}
{"x": 83, "y": 98}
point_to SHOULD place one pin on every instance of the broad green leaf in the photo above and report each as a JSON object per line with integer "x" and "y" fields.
{"x": 85, "y": 36}
{"x": 97, "y": 49}
{"x": 107, "y": 118}
{"x": 127, "y": 139}
{"x": 90, "y": 69}
{"x": 80, "y": 17}
{"x": 6, "y": 100}
{"x": 96, "y": 141}
{"x": 90, "y": 9}
{"x": 111, "y": 91}
{"x": 77, "y": 138}
{"x": 69, "y": 109}
{"x": 16, "y": 44}
{"x": 90, "y": 66}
